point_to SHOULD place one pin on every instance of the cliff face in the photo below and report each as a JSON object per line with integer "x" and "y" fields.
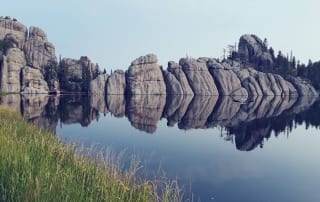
{"x": 28, "y": 64}
{"x": 25, "y": 56}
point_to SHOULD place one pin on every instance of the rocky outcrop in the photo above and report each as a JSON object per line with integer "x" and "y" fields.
{"x": 144, "y": 76}
{"x": 302, "y": 86}
{"x": 258, "y": 83}
{"x": 172, "y": 84}
{"x": 98, "y": 85}
{"x": 29, "y": 65}
{"x": 76, "y": 75}
{"x": 13, "y": 31}
{"x": 11, "y": 66}
{"x": 116, "y": 83}
{"x": 38, "y": 50}
{"x": 33, "y": 81}
{"x": 253, "y": 51}
{"x": 226, "y": 80}
{"x": 177, "y": 71}
{"x": 199, "y": 77}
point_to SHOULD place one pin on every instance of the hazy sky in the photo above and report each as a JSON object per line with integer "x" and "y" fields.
{"x": 113, "y": 33}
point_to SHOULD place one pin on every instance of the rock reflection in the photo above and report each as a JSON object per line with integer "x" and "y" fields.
{"x": 116, "y": 105}
{"x": 144, "y": 111}
{"x": 248, "y": 124}
{"x": 198, "y": 112}
{"x": 76, "y": 109}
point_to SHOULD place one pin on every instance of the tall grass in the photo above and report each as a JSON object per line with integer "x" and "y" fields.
{"x": 36, "y": 166}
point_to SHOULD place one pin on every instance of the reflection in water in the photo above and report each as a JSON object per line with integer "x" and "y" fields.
{"x": 144, "y": 111}
{"x": 249, "y": 124}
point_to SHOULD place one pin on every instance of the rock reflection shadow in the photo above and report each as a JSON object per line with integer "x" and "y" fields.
{"x": 249, "y": 124}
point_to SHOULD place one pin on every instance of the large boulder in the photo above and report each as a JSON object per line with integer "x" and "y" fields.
{"x": 253, "y": 51}
{"x": 76, "y": 75}
{"x": 177, "y": 71}
{"x": 14, "y": 31}
{"x": 172, "y": 84}
{"x": 33, "y": 81}
{"x": 116, "y": 83}
{"x": 199, "y": 77}
{"x": 38, "y": 50}
{"x": 303, "y": 87}
{"x": 10, "y": 69}
{"x": 144, "y": 76}
{"x": 98, "y": 85}
{"x": 226, "y": 80}
{"x": 248, "y": 81}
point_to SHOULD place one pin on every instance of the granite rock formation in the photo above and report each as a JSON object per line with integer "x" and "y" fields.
{"x": 38, "y": 50}
{"x": 116, "y": 83}
{"x": 33, "y": 81}
{"x": 76, "y": 75}
{"x": 144, "y": 76}
{"x": 98, "y": 85}
{"x": 177, "y": 71}
{"x": 28, "y": 65}
{"x": 253, "y": 51}
{"x": 11, "y": 65}
{"x": 13, "y": 29}
{"x": 198, "y": 76}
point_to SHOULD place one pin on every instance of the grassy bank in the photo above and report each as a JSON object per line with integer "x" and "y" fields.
{"x": 2, "y": 93}
{"x": 36, "y": 166}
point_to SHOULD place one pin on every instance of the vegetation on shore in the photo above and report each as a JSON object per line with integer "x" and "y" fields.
{"x": 36, "y": 166}
{"x": 3, "y": 93}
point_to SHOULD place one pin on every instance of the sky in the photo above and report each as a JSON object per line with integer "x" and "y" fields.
{"x": 113, "y": 33}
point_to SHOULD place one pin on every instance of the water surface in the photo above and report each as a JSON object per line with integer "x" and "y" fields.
{"x": 263, "y": 150}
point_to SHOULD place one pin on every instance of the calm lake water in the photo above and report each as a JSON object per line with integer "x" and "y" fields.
{"x": 266, "y": 149}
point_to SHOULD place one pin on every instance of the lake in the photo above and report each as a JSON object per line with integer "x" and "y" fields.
{"x": 266, "y": 149}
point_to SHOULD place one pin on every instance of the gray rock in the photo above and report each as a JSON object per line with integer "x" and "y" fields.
{"x": 76, "y": 75}
{"x": 33, "y": 81}
{"x": 116, "y": 83}
{"x": 13, "y": 30}
{"x": 172, "y": 84}
{"x": 253, "y": 51}
{"x": 226, "y": 80}
{"x": 265, "y": 84}
{"x": 144, "y": 76}
{"x": 177, "y": 71}
{"x": 302, "y": 86}
{"x": 11, "y": 65}
{"x": 199, "y": 77}
{"x": 38, "y": 50}
{"x": 275, "y": 86}
{"x": 98, "y": 85}
{"x": 246, "y": 76}
{"x": 147, "y": 59}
